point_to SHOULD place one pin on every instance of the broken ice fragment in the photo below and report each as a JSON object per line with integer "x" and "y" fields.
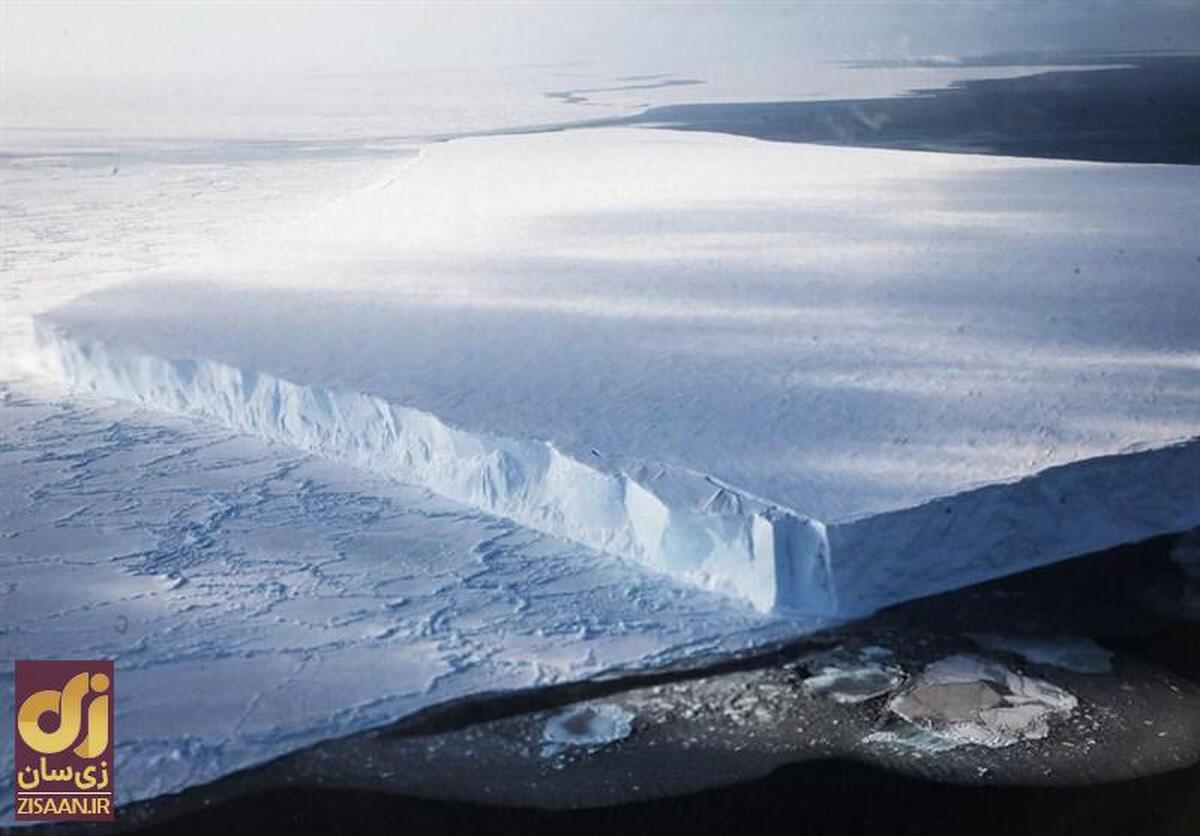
{"x": 590, "y": 726}
{"x": 913, "y": 737}
{"x": 855, "y": 684}
{"x": 971, "y": 700}
{"x": 852, "y": 676}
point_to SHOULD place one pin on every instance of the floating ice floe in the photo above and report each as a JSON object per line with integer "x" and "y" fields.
{"x": 913, "y": 737}
{"x": 1072, "y": 653}
{"x": 588, "y": 726}
{"x": 850, "y": 678}
{"x": 853, "y": 685}
{"x": 966, "y": 699}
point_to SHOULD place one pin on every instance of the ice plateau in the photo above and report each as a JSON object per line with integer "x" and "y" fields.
{"x": 821, "y": 379}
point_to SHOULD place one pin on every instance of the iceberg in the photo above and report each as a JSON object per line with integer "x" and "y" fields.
{"x": 822, "y": 380}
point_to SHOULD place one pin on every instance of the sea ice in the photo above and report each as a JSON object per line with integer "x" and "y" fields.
{"x": 590, "y": 725}
{"x": 722, "y": 344}
{"x": 852, "y": 677}
{"x": 970, "y": 700}
{"x": 853, "y": 685}
{"x": 257, "y": 600}
{"x": 912, "y": 737}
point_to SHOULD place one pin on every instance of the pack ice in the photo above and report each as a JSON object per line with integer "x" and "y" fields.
{"x": 820, "y": 379}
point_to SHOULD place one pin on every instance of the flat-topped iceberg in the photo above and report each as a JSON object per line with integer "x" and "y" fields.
{"x": 820, "y": 379}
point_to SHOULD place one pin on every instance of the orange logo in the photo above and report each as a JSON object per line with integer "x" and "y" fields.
{"x": 64, "y": 748}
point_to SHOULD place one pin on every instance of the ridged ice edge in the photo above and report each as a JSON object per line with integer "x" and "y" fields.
{"x": 675, "y": 521}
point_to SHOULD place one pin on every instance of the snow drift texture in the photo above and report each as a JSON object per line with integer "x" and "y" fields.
{"x": 821, "y": 379}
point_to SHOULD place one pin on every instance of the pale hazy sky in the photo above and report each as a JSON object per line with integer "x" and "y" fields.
{"x": 126, "y": 40}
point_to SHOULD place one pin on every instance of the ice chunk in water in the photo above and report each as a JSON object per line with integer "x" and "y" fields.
{"x": 850, "y": 678}
{"x": 970, "y": 700}
{"x": 589, "y": 726}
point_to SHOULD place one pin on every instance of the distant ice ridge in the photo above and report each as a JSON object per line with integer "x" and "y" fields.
{"x": 672, "y": 520}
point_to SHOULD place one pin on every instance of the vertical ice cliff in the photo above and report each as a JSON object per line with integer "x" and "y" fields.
{"x": 670, "y": 519}
{"x": 673, "y": 520}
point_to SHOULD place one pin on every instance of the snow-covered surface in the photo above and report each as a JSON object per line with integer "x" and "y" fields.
{"x": 818, "y": 327}
{"x": 676, "y": 521}
{"x": 933, "y": 369}
{"x": 153, "y": 117}
{"x": 257, "y": 599}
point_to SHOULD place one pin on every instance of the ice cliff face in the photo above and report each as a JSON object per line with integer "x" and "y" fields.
{"x": 671, "y": 520}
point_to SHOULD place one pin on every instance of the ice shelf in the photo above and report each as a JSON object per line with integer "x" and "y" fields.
{"x": 823, "y": 380}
